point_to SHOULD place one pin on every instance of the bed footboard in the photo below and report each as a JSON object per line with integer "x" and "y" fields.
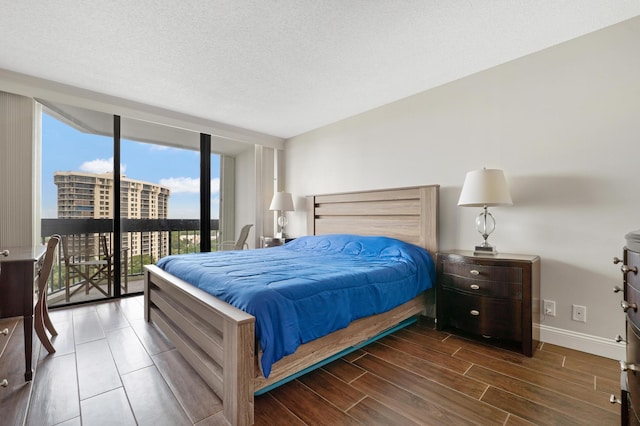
{"x": 216, "y": 338}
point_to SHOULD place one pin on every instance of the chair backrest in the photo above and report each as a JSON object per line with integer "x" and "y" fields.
{"x": 242, "y": 238}
{"x": 104, "y": 246}
{"x": 80, "y": 248}
{"x": 47, "y": 265}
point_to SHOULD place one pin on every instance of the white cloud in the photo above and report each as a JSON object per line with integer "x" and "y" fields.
{"x": 188, "y": 185}
{"x": 101, "y": 165}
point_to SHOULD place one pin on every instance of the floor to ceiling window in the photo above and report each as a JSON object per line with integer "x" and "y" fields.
{"x": 158, "y": 200}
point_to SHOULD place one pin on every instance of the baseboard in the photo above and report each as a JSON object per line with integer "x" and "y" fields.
{"x": 595, "y": 345}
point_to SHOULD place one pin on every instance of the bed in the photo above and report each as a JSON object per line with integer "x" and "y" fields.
{"x": 218, "y": 340}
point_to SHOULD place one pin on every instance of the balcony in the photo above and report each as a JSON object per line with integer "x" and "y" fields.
{"x": 159, "y": 237}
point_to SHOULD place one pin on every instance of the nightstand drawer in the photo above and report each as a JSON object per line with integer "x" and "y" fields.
{"x": 486, "y": 316}
{"x": 500, "y": 289}
{"x": 483, "y": 272}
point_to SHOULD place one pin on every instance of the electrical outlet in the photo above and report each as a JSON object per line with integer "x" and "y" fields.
{"x": 579, "y": 313}
{"x": 549, "y": 307}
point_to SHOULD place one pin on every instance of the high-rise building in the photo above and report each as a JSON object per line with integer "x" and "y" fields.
{"x": 84, "y": 195}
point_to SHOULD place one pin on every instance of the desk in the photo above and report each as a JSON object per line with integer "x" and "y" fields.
{"x": 18, "y": 271}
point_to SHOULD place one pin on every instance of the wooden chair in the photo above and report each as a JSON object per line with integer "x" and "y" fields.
{"x": 82, "y": 261}
{"x": 41, "y": 311}
{"x": 240, "y": 243}
{"x": 124, "y": 262}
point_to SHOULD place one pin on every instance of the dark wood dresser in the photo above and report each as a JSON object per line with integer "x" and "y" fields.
{"x": 19, "y": 267}
{"x": 491, "y": 297}
{"x": 630, "y": 374}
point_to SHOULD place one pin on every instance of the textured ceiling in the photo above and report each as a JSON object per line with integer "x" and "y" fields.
{"x": 281, "y": 67}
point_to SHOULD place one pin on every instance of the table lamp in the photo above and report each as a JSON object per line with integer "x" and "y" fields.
{"x": 282, "y": 202}
{"x": 485, "y": 188}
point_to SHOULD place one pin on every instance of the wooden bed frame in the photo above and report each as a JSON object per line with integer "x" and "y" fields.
{"x": 218, "y": 339}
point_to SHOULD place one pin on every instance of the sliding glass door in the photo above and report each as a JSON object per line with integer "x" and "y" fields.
{"x": 77, "y": 201}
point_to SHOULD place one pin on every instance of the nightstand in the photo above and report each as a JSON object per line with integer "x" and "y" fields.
{"x": 273, "y": 241}
{"x": 492, "y": 297}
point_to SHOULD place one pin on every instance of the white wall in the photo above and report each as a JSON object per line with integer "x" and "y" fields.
{"x": 563, "y": 123}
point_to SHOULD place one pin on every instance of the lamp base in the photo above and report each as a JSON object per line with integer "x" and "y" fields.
{"x": 486, "y": 250}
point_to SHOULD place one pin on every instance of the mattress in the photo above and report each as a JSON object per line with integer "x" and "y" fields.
{"x": 309, "y": 287}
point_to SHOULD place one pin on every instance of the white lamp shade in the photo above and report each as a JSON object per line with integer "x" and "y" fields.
{"x": 282, "y": 201}
{"x": 486, "y": 187}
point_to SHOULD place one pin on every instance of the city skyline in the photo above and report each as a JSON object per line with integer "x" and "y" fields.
{"x": 66, "y": 149}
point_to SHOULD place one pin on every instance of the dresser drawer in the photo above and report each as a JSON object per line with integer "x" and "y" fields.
{"x": 478, "y": 271}
{"x": 486, "y": 316}
{"x": 633, "y": 279}
{"x": 499, "y": 289}
{"x": 8, "y": 324}
{"x": 633, "y": 296}
{"x": 633, "y": 357}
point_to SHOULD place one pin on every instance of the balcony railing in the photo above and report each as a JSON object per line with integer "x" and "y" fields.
{"x": 146, "y": 241}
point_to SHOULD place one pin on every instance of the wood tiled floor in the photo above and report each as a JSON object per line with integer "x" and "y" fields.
{"x": 111, "y": 367}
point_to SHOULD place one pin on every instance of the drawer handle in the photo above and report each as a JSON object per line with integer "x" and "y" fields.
{"x": 624, "y": 366}
{"x": 626, "y": 306}
{"x": 474, "y": 312}
{"x": 5, "y": 332}
{"x": 4, "y": 383}
{"x": 626, "y": 269}
{"x": 614, "y": 400}
{"x": 474, "y": 272}
{"x": 5, "y": 253}
{"x": 616, "y": 289}
{"x": 620, "y": 339}
{"x": 474, "y": 286}
{"x": 616, "y": 260}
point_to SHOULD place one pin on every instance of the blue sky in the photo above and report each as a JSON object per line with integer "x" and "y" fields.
{"x": 66, "y": 149}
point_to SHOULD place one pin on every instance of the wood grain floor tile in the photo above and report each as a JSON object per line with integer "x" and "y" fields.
{"x": 425, "y": 368}
{"x": 269, "y": 411}
{"x": 530, "y": 410}
{"x": 107, "y": 409}
{"x": 97, "y": 372}
{"x": 419, "y": 410}
{"x": 64, "y": 342}
{"x": 608, "y": 385}
{"x": 371, "y": 412}
{"x": 417, "y": 336}
{"x": 111, "y": 317}
{"x": 132, "y": 308}
{"x": 87, "y": 327}
{"x": 197, "y": 399}
{"x": 128, "y": 352}
{"x": 152, "y": 401}
{"x": 559, "y": 401}
{"x": 332, "y": 389}
{"x": 416, "y": 348}
{"x": 215, "y": 420}
{"x": 524, "y": 367}
{"x": 343, "y": 370}
{"x": 309, "y": 406}
{"x": 601, "y": 367}
{"x": 517, "y": 421}
{"x": 151, "y": 337}
{"x": 451, "y": 400}
{"x": 76, "y": 421}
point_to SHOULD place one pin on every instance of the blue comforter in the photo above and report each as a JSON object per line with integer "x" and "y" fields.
{"x": 310, "y": 286}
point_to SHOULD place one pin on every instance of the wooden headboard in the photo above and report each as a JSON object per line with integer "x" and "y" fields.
{"x": 408, "y": 214}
